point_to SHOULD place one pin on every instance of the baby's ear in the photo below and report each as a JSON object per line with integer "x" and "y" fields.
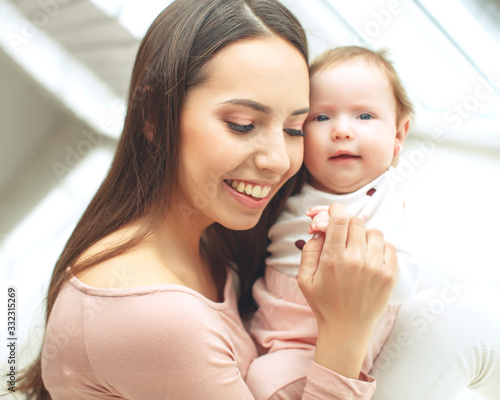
{"x": 401, "y": 132}
{"x": 402, "y": 128}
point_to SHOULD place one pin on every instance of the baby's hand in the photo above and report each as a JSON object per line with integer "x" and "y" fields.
{"x": 320, "y": 218}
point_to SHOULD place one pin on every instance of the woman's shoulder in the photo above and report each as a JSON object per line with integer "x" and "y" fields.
{"x": 133, "y": 338}
{"x": 136, "y": 267}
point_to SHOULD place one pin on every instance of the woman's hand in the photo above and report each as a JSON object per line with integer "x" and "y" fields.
{"x": 347, "y": 276}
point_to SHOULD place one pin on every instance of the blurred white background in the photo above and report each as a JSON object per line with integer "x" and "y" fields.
{"x": 64, "y": 72}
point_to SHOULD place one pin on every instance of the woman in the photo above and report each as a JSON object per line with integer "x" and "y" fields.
{"x": 141, "y": 303}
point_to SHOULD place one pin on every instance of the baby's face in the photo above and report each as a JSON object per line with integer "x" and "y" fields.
{"x": 351, "y": 129}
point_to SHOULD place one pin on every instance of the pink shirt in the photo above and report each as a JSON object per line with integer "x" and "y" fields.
{"x": 164, "y": 342}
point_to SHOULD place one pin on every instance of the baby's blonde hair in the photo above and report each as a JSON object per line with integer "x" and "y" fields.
{"x": 339, "y": 55}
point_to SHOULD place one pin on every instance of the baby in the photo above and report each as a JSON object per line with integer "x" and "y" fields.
{"x": 360, "y": 115}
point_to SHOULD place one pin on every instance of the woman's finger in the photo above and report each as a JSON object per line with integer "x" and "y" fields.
{"x": 356, "y": 236}
{"x": 309, "y": 261}
{"x": 391, "y": 258}
{"x": 374, "y": 247}
{"x": 336, "y": 233}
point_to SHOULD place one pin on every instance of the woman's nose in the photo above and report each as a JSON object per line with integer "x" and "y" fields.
{"x": 273, "y": 154}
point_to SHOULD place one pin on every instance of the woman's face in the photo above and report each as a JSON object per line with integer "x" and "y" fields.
{"x": 241, "y": 133}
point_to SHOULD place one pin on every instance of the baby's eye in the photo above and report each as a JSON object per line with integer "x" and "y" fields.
{"x": 365, "y": 116}
{"x": 239, "y": 128}
{"x": 321, "y": 118}
{"x": 294, "y": 132}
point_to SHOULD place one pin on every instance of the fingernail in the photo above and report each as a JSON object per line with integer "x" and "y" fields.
{"x": 317, "y": 235}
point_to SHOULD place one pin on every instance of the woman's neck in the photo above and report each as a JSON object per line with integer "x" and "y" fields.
{"x": 177, "y": 244}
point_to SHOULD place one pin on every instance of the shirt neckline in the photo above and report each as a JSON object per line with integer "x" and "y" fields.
{"x": 156, "y": 289}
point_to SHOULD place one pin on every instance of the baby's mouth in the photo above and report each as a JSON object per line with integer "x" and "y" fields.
{"x": 256, "y": 191}
{"x": 345, "y": 156}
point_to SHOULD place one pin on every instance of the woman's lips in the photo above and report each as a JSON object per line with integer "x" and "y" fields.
{"x": 248, "y": 200}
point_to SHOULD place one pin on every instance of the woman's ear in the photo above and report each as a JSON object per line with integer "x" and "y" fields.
{"x": 148, "y": 130}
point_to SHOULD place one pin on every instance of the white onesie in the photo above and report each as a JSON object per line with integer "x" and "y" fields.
{"x": 384, "y": 210}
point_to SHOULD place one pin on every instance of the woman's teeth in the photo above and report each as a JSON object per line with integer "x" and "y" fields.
{"x": 256, "y": 191}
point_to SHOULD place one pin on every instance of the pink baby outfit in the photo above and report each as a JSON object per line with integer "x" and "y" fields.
{"x": 165, "y": 342}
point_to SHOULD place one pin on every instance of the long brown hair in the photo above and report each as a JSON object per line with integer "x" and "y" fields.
{"x": 170, "y": 60}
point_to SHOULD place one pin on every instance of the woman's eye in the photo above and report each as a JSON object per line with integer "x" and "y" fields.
{"x": 239, "y": 128}
{"x": 365, "y": 116}
{"x": 294, "y": 132}
{"x": 321, "y": 118}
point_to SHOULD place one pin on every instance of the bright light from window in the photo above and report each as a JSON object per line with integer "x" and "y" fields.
{"x": 135, "y": 16}
{"x": 38, "y": 239}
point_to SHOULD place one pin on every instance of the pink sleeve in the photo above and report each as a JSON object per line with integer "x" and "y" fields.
{"x": 285, "y": 329}
{"x": 173, "y": 347}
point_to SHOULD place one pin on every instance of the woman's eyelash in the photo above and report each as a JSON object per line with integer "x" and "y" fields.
{"x": 247, "y": 128}
{"x": 239, "y": 128}
{"x": 294, "y": 132}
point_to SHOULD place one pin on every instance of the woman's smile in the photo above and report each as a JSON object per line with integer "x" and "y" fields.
{"x": 249, "y": 196}
{"x": 255, "y": 190}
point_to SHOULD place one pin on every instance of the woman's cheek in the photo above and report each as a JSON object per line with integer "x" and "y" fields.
{"x": 296, "y": 158}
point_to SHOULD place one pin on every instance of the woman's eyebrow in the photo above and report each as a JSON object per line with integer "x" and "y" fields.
{"x": 261, "y": 107}
{"x": 302, "y": 111}
{"x": 249, "y": 103}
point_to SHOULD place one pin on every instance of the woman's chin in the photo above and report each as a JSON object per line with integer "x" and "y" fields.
{"x": 242, "y": 224}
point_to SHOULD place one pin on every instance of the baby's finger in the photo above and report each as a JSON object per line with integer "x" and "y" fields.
{"x": 319, "y": 222}
{"x": 319, "y": 226}
{"x": 316, "y": 210}
{"x": 322, "y": 217}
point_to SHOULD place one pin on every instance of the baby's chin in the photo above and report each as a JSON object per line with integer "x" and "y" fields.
{"x": 331, "y": 188}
